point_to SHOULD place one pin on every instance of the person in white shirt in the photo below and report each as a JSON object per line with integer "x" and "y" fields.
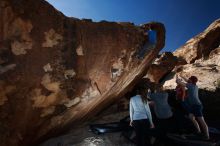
{"x": 140, "y": 115}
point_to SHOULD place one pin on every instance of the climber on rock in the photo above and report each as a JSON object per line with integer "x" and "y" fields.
{"x": 150, "y": 44}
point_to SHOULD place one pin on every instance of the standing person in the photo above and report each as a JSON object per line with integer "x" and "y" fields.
{"x": 195, "y": 105}
{"x": 181, "y": 97}
{"x": 140, "y": 115}
{"x": 182, "y": 108}
{"x": 162, "y": 110}
{"x": 180, "y": 92}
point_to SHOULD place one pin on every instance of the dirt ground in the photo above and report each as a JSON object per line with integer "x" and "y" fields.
{"x": 82, "y": 136}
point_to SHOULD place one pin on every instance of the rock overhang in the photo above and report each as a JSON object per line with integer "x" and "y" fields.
{"x": 59, "y": 71}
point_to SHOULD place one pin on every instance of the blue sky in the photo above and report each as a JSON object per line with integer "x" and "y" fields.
{"x": 183, "y": 19}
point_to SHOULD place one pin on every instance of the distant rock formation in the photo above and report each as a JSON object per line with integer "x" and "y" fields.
{"x": 203, "y": 59}
{"x": 57, "y": 71}
{"x": 201, "y": 45}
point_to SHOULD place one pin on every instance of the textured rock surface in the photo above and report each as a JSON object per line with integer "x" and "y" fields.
{"x": 201, "y": 45}
{"x": 162, "y": 66}
{"x": 56, "y": 71}
{"x": 207, "y": 72}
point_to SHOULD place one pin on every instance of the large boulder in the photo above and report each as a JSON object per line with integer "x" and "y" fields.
{"x": 57, "y": 71}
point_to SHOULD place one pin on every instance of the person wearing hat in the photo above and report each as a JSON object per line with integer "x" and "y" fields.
{"x": 195, "y": 105}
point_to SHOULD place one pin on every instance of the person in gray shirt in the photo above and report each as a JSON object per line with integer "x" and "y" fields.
{"x": 162, "y": 111}
{"x": 161, "y": 107}
{"x": 195, "y": 105}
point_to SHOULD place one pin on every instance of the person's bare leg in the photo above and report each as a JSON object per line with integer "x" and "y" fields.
{"x": 195, "y": 123}
{"x": 204, "y": 126}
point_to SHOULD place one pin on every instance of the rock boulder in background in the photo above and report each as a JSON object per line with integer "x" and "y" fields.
{"x": 201, "y": 45}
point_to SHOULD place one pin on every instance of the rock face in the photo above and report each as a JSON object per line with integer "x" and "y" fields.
{"x": 207, "y": 72}
{"x": 201, "y": 45}
{"x": 57, "y": 71}
{"x": 162, "y": 66}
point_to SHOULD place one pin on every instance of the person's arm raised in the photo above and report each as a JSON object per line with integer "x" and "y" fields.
{"x": 184, "y": 78}
{"x": 178, "y": 81}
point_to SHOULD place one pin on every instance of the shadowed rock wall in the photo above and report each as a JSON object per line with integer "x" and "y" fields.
{"x": 57, "y": 71}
